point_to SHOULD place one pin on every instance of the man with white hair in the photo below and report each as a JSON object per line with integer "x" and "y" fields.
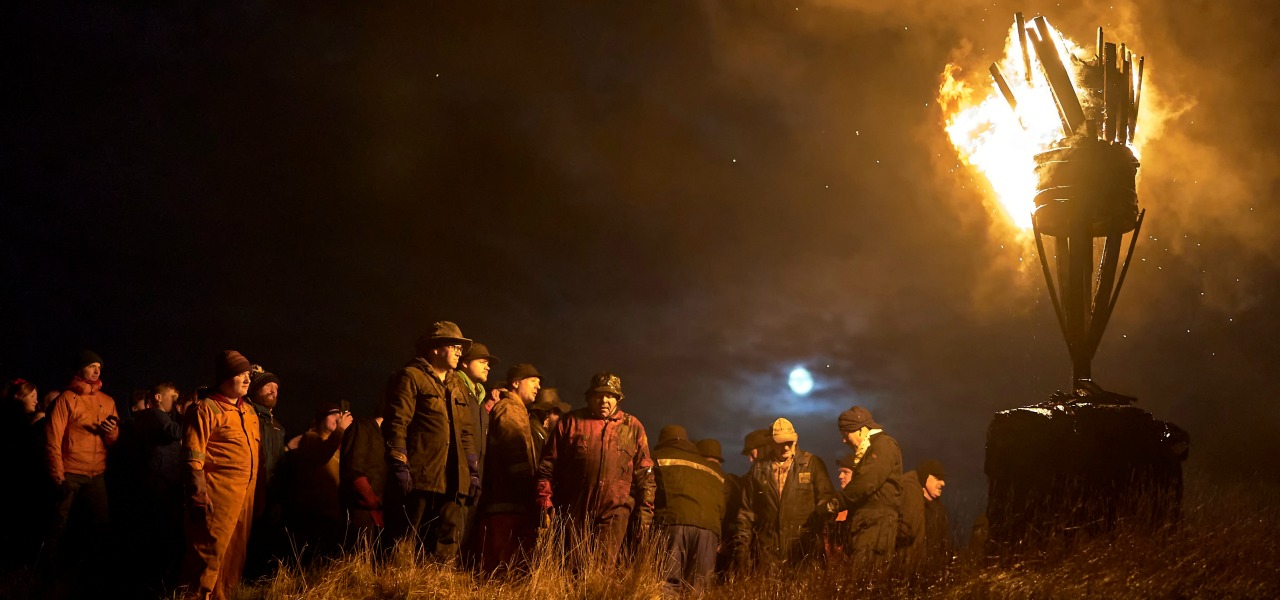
{"x": 780, "y": 522}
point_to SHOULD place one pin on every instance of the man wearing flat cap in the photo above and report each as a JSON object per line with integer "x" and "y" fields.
{"x": 779, "y": 523}
{"x": 432, "y": 463}
{"x": 596, "y": 471}
{"x": 508, "y": 528}
{"x": 874, "y": 494}
{"x": 221, "y": 448}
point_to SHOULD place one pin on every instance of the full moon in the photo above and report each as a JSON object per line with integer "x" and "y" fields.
{"x": 801, "y": 381}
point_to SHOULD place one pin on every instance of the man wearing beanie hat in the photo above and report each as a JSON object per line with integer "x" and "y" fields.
{"x": 508, "y": 528}
{"x": 688, "y": 509}
{"x": 874, "y": 494}
{"x": 221, "y": 449}
{"x": 779, "y": 523}
{"x": 598, "y": 466}
{"x": 81, "y": 426}
{"x": 432, "y": 461}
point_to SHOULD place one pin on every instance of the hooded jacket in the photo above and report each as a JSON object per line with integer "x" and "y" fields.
{"x": 593, "y": 467}
{"x": 431, "y": 420}
{"x": 784, "y": 527}
{"x": 72, "y": 441}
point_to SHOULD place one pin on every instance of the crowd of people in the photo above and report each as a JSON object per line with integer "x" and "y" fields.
{"x": 203, "y": 490}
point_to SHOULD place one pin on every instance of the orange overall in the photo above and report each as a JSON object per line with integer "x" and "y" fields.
{"x": 221, "y": 439}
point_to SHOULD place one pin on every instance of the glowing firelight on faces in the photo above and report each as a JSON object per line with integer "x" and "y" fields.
{"x": 995, "y": 140}
{"x": 800, "y": 381}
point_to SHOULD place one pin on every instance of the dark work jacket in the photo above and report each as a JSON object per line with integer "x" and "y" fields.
{"x": 877, "y": 480}
{"x": 431, "y": 420}
{"x": 540, "y": 436}
{"x": 732, "y": 504}
{"x": 158, "y": 435}
{"x": 272, "y": 445}
{"x": 479, "y": 419}
{"x": 787, "y": 527}
{"x": 690, "y": 489}
{"x": 595, "y": 468}
{"x": 363, "y": 454}
{"x": 512, "y": 461}
{"x": 911, "y": 546}
{"x": 937, "y": 534}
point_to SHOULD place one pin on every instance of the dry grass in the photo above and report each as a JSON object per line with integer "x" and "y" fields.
{"x": 1224, "y": 548}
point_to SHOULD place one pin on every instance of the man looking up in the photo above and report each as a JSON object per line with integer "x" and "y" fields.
{"x": 431, "y": 458}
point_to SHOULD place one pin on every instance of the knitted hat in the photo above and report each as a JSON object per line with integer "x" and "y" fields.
{"x": 87, "y": 357}
{"x": 756, "y": 439}
{"x": 228, "y": 364}
{"x": 929, "y": 467}
{"x": 260, "y": 377}
{"x": 782, "y": 431}
{"x": 710, "y": 449}
{"x": 855, "y": 419}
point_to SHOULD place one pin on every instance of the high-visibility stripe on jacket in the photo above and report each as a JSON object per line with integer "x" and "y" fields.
{"x": 689, "y": 490}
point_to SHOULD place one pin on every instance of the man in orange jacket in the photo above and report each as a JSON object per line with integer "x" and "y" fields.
{"x": 220, "y": 444}
{"x": 82, "y": 424}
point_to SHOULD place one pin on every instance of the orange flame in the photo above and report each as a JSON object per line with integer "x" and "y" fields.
{"x": 999, "y": 142}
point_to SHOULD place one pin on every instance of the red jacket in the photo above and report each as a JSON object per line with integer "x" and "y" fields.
{"x": 73, "y": 443}
{"x": 593, "y": 467}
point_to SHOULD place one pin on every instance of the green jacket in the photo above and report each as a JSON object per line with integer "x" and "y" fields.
{"x": 690, "y": 489}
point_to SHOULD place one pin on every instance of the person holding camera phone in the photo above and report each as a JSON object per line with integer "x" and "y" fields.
{"x": 82, "y": 425}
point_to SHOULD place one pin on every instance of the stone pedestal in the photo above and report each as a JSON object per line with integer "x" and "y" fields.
{"x": 1067, "y": 467}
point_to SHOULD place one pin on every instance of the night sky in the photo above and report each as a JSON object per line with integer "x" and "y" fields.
{"x": 697, "y": 196}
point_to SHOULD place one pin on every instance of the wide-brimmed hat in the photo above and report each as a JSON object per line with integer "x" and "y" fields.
{"x": 548, "y": 399}
{"x": 711, "y": 449}
{"x": 520, "y": 371}
{"x": 477, "y": 351}
{"x": 855, "y": 419}
{"x": 607, "y": 383}
{"x": 672, "y": 433}
{"x": 442, "y": 333}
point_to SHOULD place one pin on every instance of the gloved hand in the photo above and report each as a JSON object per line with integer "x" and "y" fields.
{"x": 473, "y": 463}
{"x": 398, "y": 464}
{"x": 199, "y": 490}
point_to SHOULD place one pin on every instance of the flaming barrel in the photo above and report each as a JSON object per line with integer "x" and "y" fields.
{"x": 1088, "y": 187}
